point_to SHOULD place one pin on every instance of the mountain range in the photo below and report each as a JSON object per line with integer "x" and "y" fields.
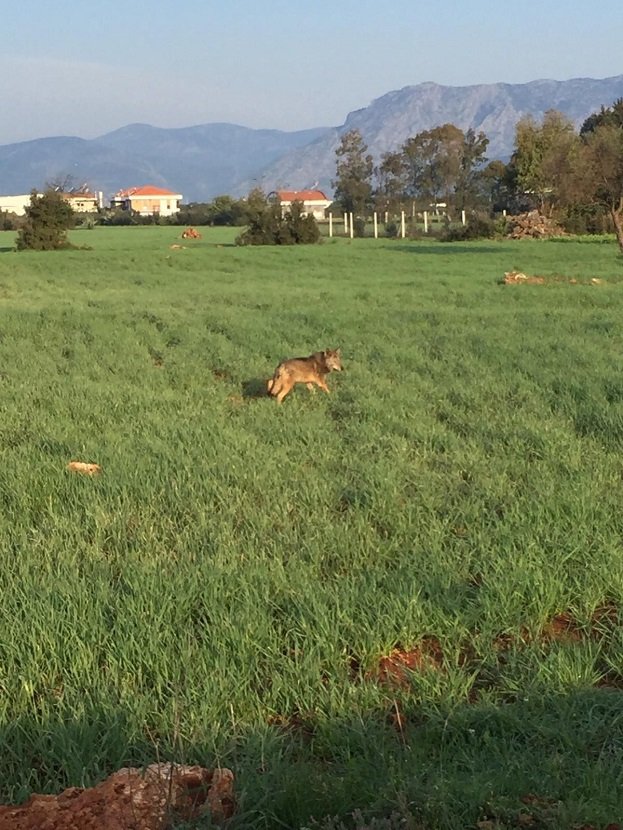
{"x": 210, "y": 159}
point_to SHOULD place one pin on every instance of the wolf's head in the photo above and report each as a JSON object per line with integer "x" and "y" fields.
{"x": 333, "y": 360}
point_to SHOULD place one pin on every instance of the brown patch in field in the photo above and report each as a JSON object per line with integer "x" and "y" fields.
{"x": 154, "y": 798}
{"x": 564, "y": 628}
{"x": 394, "y": 669}
{"x": 235, "y": 400}
{"x": 298, "y": 722}
{"x": 561, "y": 629}
{"x": 175, "y": 247}
{"x": 84, "y": 468}
{"x": 519, "y": 278}
{"x": 507, "y": 640}
{"x": 221, "y": 374}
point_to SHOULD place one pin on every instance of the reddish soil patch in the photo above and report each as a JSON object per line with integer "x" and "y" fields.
{"x": 394, "y": 669}
{"x": 156, "y": 798}
{"x": 562, "y": 629}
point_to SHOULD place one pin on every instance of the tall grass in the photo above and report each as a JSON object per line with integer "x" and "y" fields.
{"x": 224, "y": 591}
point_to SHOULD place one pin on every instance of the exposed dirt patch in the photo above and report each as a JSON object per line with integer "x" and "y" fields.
{"x": 561, "y": 629}
{"x": 519, "y": 278}
{"x": 564, "y": 628}
{"x": 156, "y": 798}
{"x": 394, "y": 670}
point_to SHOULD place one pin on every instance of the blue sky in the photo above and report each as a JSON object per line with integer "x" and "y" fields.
{"x": 73, "y": 67}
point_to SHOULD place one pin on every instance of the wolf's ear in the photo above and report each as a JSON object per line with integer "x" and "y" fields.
{"x": 338, "y": 352}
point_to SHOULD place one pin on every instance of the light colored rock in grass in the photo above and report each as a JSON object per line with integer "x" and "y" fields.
{"x": 84, "y": 468}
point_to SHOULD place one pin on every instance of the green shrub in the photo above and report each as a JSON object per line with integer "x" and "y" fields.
{"x": 359, "y": 227}
{"x": 10, "y": 221}
{"x": 48, "y": 218}
{"x": 479, "y": 226}
{"x": 391, "y": 230}
{"x": 269, "y": 227}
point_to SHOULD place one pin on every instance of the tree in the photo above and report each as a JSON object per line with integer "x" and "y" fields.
{"x": 594, "y": 181}
{"x": 470, "y": 170}
{"x": 607, "y": 116}
{"x": 602, "y": 171}
{"x": 391, "y": 182}
{"x": 494, "y": 187}
{"x": 354, "y": 167}
{"x": 48, "y": 218}
{"x": 433, "y": 162}
{"x": 543, "y": 157}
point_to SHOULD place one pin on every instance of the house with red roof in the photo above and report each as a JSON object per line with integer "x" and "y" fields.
{"x": 314, "y": 201}
{"x": 148, "y": 200}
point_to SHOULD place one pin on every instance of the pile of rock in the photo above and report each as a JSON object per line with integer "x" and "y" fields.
{"x": 532, "y": 225}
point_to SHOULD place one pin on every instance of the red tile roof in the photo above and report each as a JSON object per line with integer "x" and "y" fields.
{"x": 144, "y": 190}
{"x": 301, "y": 196}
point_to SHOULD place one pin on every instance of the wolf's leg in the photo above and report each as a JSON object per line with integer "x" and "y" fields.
{"x": 311, "y": 387}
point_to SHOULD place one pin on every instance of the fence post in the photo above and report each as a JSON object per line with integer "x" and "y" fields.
{"x": 352, "y": 228}
{"x": 463, "y": 217}
{"x": 402, "y": 223}
{"x": 376, "y": 226}
{"x": 345, "y": 224}
{"x": 386, "y": 216}
{"x": 330, "y": 225}
{"x": 425, "y": 221}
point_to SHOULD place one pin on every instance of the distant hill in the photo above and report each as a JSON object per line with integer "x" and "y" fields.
{"x": 199, "y": 162}
{"x": 206, "y": 160}
{"x": 493, "y": 108}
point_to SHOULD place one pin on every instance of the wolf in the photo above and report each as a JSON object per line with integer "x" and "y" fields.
{"x": 309, "y": 370}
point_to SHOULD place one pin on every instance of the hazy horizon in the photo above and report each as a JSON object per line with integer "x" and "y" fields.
{"x": 74, "y": 72}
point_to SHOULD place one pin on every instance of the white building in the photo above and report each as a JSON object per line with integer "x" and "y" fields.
{"x": 148, "y": 200}
{"x": 314, "y": 201}
{"x": 16, "y": 204}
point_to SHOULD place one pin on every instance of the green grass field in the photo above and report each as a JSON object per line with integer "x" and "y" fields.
{"x": 225, "y": 591}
